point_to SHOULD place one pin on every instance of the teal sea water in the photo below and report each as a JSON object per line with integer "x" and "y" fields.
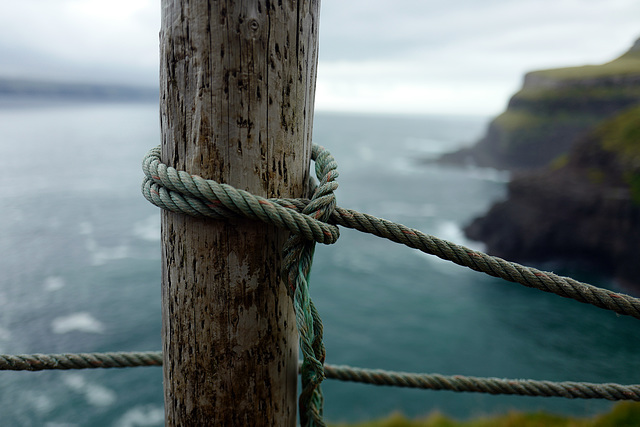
{"x": 80, "y": 272}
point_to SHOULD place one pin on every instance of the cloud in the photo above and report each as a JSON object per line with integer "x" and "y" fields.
{"x": 417, "y": 56}
{"x": 90, "y": 40}
{"x": 460, "y": 56}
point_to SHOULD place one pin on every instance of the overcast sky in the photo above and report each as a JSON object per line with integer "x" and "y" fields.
{"x": 400, "y": 56}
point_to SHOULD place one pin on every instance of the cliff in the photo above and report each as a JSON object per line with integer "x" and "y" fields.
{"x": 553, "y": 108}
{"x": 585, "y": 206}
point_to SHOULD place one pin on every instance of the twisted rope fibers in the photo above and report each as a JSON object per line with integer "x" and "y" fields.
{"x": 212, "y": 199}
{"x": 459, "y": 383}
{"x": 475, "y": 260}
{"x": 39, "y": 362}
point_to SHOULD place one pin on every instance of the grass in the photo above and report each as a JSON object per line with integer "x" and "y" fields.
{"x": 627, "y": 64}
{"x": 625, "y": 414}
{"x": 580, "y": 93}
{"x": 515, "y": 120}
{"x": 621, "y": 135}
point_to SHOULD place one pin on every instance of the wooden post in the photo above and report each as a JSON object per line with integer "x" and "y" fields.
{"x": 237, "y": 85}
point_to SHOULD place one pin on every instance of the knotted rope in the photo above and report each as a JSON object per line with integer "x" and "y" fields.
{"x": 181, "y": 192}
{"x": 314, "y": 221}
{"x": 528, "y": 276}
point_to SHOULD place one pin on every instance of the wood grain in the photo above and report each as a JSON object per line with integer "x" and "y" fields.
{"x": 237, "y": 93}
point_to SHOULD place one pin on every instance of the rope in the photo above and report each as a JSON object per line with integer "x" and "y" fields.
{"x": 459, "y": 383}
{"x": 297, "y": 260}
{"x": 39, "y": 362}
{"x": 567, "y": 389}
{"x": 475, "y": 260}
{"x": 165, "y": 186}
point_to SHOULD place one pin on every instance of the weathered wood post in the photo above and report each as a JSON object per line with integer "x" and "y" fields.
{"x": 237, "y": 86}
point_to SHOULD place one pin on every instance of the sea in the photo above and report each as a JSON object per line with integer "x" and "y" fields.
{"x": 80, "y": 272}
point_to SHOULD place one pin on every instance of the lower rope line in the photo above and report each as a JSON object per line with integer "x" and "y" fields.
{"x": 459, "y": 383}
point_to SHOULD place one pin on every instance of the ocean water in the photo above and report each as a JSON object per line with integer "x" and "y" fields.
{"x": 80, "y": 263}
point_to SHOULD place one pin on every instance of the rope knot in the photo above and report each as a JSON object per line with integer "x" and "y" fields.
{"x": 193, "y": 195}
{"x": 307, "y": 220}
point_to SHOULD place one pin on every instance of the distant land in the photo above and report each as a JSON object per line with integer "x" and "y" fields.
{"x": 553, "y": 109}
{"x": 14, "y": 89}
{"x": 572, "y": 138}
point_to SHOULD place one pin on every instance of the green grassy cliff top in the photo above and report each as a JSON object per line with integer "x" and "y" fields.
{"x": 627, "y": 64}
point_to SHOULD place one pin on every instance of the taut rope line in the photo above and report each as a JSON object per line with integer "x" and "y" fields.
{"x": 570, "y": 390}
{"x": 233, "y": 202}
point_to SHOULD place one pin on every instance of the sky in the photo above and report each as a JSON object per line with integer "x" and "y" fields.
{"x": 377, "y": 56}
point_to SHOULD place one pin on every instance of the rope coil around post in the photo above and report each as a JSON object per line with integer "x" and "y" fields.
{"x": 181, "y": 192}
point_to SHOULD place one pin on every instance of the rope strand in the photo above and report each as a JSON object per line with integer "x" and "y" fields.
{"x": 459, "y": 383}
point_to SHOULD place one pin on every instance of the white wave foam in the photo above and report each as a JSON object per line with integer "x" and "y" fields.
{"x": 146, "y": 415}
{"x": 85, "y": 227}
{"x": 452, "y": 232}
{"x": 82, "y": 322}
{"x": 94, "y": 394}
{"x": 148, "y": 228}
{"x": 53, "y": 283}
{"x": 100, "y": 256}
{"x": 427, "y": 147}
{"x": 449, "y": 230}
{"x": 488, "y": 174}
{"x": 40, "y": 402}
{"x": 390, "y": 209}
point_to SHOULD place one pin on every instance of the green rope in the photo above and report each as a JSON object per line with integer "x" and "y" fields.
{"x": 164, "y": 186}
{"x": 476, "y": 260}
{"x": 312, "y": 220}
{"x": 297, "y": 260}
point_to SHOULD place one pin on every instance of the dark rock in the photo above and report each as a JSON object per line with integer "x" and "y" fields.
{"x": 584, "y": 208}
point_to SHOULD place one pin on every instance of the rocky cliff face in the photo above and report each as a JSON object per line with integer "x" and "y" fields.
{"x": 584, "y": 207}
{"x": 553, "y": 108}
